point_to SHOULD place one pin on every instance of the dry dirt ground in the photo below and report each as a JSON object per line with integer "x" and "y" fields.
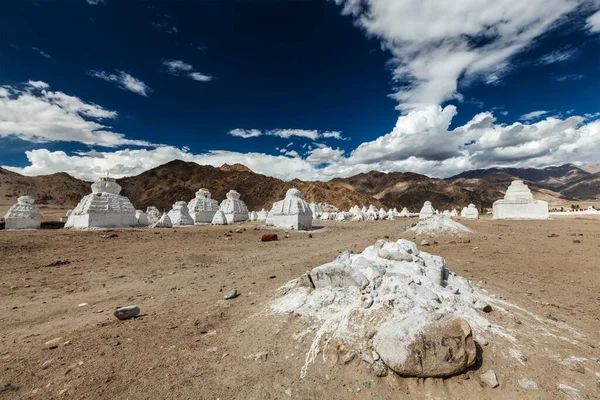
{"x": 190, "y": 343}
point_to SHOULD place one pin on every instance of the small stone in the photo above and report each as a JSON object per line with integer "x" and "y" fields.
{"x": 310, "y": 235}
{"x": 238, "y": 231}
{"x": 83, "y": 305}
{"x": 573, "y": 364}
{"x": 126, "y": 312}
{"x": 370, "y": 333}
{"x": 288, "y": 392}
{"x": 99, "y": 311}
{"x": 118, "y": 276}
{"x": 47, "y": 363}
{"x": 53, "y": 344}
{"x": 112, "y": 235}
{"x": 572, "y": 392}
{"x": 232, "y": 294}
{"x": 367, "y": 384}
{"x": 379, "y": 368}
{"x": 375, "y": 355}
{"x": 490, "y": 379}
{"x": 552, "y": 235}
{"x": 576, "y": 241}
{"x": 424, "y": 242}
{"x": 528, "y": 384}
{"x": 63, "y": 391}
{"x": 483, "y": 306}
{"x": 550, "y": 316}
{"x": 348, "y": 357}
{"x": 269, "y": 237}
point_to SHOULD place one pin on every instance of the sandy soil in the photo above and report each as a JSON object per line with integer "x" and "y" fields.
{"x": 192, "y": 344}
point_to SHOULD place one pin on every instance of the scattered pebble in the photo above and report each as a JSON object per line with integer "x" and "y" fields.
{"x": 53, "y": 344}
{"x": 269, "y": 237}
{"x": 232, "y": 294}
{"x": 490, "y": 379}
{"x": 126, "y": 312}
{"x": 83, "y": 305}
{"x": 288, "y": 392}
{"x": 118, "y": 276}
{"x": 47, "y": 363}
{"x": 112, "y": 235}
{"x": 573, "y": 393}
{"x": 528, "y": 384}
{"x": 424, "y": 242}
{"x": 576, "y": 241}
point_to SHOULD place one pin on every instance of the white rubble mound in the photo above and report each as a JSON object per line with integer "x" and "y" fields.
{"x": 219, "y": 218}
{"x": 357, "y": 296}
{"x": 141, "y": 218}
{"x": 202, "y": 208}
{"x": 163, "y": 222}
{"x": 470, "y": 212}
{"x": 104, "y": 208}
{"x": 23, "y": 215}
{"x": 427, "y": 210}
{"x": 235, "y": 209}
{"x": 179, "y": 215}
{"x": 518, "y": 203}
{"x": 438, "y": 224}
{"x": 153, "y": 215}
{"x": 292, "y": 212}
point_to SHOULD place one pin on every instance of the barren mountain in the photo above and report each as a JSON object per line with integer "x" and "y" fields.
{"x": 587, "y": 187}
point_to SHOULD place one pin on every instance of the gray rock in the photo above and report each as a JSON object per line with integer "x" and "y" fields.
{"x": 426, "y": 346}
{"x": 337, "y": 275}
{"x": 528, "y": 384}
{"x": 573, "y": 364}
{"x": 348, "y": 357}
{"x": 379, "y": 368}
{"x": 573, "y": 393}
{"x": 126, "y": 312}
{"x": 47, "y": 363}
{"x": 232, "y": 294}
{"x": 490, "y": 379}
{"x": 483, "y": 306}
{"x": 53, "y": 344}
{"x": 424, "y": 242}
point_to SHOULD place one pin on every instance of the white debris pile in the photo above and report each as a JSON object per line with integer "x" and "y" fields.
{"x": 386, "y": 303}
{"x": 436, "y": 225}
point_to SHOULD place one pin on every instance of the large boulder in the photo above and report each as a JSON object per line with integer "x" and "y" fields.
{"x": 426, "y": 345}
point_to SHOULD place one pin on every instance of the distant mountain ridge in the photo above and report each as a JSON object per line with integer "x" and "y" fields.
{"x": 178, "y": 180}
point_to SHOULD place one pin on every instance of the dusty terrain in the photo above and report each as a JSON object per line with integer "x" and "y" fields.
{"x": 191, "y": 344}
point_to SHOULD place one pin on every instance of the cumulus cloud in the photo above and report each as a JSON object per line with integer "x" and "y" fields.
{"x": 181, "y": 68}
{"x": 39, "y": 115}
{"x": 286, "y": 133}
{"x": 124, "y": 81}
{"x": 593, "y": 22}
{"x": 434, "y": 43}
{"x": 532, "y": 115}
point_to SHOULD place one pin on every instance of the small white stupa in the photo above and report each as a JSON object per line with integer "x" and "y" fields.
{"x": 179, "y": 215}
{"x": 219, "y": 218}
{"x": 253, "y": 216}
{"x": 153, "y": 215}
{"x": 202, "y": 208}
{"x": 262, "y": 215}
{"x": 141, "y": 218}
{"x": 23, "y": 215}
{"x": 292, "y": 212}
{"x": 518, "y": 203}
{"x": 404, "y": 212}
{"x": 454, "y": 213}
{"x": 234, "y": 208}
{"x": 163, "y": 222}
{"x": 66, "y": 217}
{"x": 104, "y": 208}
{"x": 427, "y": 210}
{"x": 470, "y": 212}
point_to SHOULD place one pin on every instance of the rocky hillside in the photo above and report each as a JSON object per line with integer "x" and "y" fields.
{"x": 585, "y": 188}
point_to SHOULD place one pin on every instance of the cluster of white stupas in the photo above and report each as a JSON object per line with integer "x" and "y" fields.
{"x": 106, "y": 208}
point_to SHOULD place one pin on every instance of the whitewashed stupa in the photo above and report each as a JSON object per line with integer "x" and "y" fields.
{"x": 219, "y": 218}
{"x": 163, "y": 222}
{"x": 179, "y": 215}
{"x": 25, "y": 214}
{"x": 234, "y": 209}
{"x": 104, "y": 208}
{"x": 262, "y": 215}
{"x": 253, "y": 216}
{"x": 404, "y": 212}
{"x": 292, "y": 212}
{"x": 427, "y": 210}
{"x": 470, "y": 212}
{"x": 202, "y": 208}
{"x": 518, "y": 203}
{"x": 141, "y": 218}
{"x": 66, "y": 217}
{"x": 153, "y": 215}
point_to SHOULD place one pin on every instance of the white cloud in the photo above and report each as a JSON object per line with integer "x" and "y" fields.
{"x": 287, "y": 133}
{"x": 181, "y": 68}
{"x": 323, "y": 155}
{"x": 533, "y": 115}
{"x": 290, "y": 144}
{"x": 43, "y": 53}
{"x": 558, "y": 56}
{"x": 95, "y": 2}
{"x": 245, "y": 133}
{"x": 436, "y": 42}
{"x": 124, "y": 81}
{"x": 570, "y": 77}
{"x": 593, "y": 22}
{"x": 38, "y": 115}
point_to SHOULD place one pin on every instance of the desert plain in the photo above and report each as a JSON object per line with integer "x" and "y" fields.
{"x": 59, "y": 339}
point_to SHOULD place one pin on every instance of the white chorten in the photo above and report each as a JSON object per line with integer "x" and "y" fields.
{"x": 179, "y": 215}
{"x": 234, "y": 208}
{"x": 427, "y": 210}
{"x": 470, "y": 212}
{"x": 518, "y": 203}
{"x": 292, "y": 212}
{"x": 454, "y": 213}
{"x": 141, "y": 218}
{"x": 153, "y": 215}
{"x": 23, "y": 215}
{"x": 163, "y": 222}
{"x": 253, "y": 216}
{"x": 66, "y": 217}
{"x": 219, "y": 218}
{"x": 202, "y": 208}
{"x": 103, "y": 208}
{"x": 404, "y": 212}
{"x": 262, "y": 215}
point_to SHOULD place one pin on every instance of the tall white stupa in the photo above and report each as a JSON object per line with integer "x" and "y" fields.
{"x": 202, "y": 208}
{"x": 180, "y": 215}
{"x": 103, "y": 208}
{"x": 234, "y": 209}
{"x": 470, "y": 212}
{"x": 518, "y": 203}
{"x": 427, "y": 210}
{"x": 25, "y": 214}
{"x": 292, "y": 212}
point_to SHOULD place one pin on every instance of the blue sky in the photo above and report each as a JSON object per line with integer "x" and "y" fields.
{"x": 310, "y": 89}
